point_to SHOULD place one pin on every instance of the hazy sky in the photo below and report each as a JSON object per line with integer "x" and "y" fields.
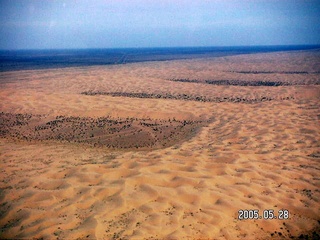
{"x": 38, "y": 24}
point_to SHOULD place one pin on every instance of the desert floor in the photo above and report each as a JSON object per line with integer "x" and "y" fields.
{"x": 162, "y": 150}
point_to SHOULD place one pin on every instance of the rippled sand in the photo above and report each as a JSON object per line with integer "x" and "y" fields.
{"x": 244, "y": 155}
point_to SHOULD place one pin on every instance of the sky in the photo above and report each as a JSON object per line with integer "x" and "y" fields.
{"x": 64, "y": 24}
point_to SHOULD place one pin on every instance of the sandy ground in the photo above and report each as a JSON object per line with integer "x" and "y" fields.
{"x": 244, "y": 155}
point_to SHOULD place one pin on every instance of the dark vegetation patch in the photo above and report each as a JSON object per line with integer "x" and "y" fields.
{"x": 314, "y": 155}
{"x": 285, "y": 233}
{"x": 185, "y": 80}
{"x": 312, "y": 235}
{"x": 245, "y": 82}
{"x": 120, "y": 133}
{"x": 185, "y": 97}
{"x": 274, "y": 72}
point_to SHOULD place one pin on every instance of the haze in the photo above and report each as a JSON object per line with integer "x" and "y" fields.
{"x": 33, "y": 24}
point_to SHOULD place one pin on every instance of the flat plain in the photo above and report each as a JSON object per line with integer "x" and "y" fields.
{"x": 162, "y": 150}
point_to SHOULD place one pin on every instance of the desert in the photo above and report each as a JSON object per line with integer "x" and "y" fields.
{"x": 162, "y": 149}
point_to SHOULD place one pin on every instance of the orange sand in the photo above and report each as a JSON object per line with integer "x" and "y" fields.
{"x": 262, "y": 155}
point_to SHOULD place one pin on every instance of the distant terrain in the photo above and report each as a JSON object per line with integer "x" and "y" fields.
{"x": 13, "y": 60}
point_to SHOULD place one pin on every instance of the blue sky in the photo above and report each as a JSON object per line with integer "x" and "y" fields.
{"x": 43, "y": 24}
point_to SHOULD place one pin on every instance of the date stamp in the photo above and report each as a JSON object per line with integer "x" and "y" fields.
{"x": 267, "y": 214}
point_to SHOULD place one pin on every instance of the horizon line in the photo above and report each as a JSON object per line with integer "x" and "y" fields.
{"x": 168, "y": 47}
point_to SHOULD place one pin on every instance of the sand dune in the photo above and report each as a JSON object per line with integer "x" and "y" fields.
{"x": 244, "y": 155}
